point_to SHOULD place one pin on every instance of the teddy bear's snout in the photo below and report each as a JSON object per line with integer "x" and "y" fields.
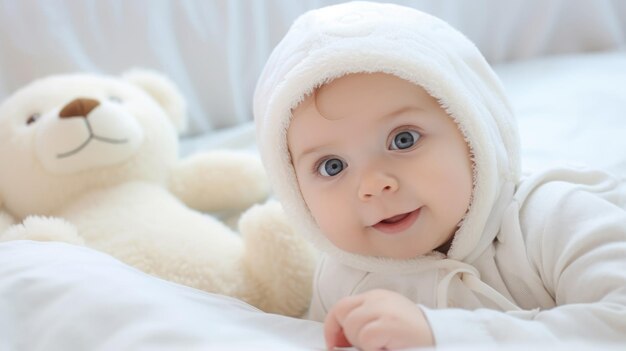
{"x": 79, "y": 107}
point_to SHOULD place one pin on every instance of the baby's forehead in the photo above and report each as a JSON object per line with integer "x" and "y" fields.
{"x": 360, "y": 94}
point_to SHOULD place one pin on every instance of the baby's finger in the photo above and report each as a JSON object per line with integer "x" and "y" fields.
{"x": 374, "y": 336}
{"x": 333, "y": 324}
{"x": 357, "y": 319}
{"x": 341, "y": 340}
{"x": 333, "y": 333}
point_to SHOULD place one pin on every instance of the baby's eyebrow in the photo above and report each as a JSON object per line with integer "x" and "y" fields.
{"x": 306, "y": 152}
{"x": 402, "y": 110}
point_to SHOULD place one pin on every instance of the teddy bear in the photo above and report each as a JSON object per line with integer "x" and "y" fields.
{"x": 91, "y": 159}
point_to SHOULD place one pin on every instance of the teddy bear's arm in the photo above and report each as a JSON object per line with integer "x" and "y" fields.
{"x": 278, "y": 262}
{"x": 219, "y": 181}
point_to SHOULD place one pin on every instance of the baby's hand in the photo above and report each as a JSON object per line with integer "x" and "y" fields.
{"x": 377, "y": 320}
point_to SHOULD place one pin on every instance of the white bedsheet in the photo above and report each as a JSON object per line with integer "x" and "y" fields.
{"x": 59, "y": 297}
{"x": 55, "y": 296}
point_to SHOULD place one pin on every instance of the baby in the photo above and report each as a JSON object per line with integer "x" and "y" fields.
{"x": 390, "y": 143}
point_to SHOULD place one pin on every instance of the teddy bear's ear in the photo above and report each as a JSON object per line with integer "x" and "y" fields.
{"x": 164, "y": 91}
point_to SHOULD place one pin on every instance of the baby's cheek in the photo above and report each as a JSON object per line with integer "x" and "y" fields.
{"x": 332, "y": 222}
{"x": 326, "y": 218}
{"x": 320, "y": 209}
{"x": 335, "y": 219}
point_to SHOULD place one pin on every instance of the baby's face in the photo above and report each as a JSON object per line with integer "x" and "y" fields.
{"x": 383, "y": 169}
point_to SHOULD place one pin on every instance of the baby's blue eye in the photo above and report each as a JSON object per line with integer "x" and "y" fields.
{"x": 331, "y": 167}
{"x": 404, "y": 140}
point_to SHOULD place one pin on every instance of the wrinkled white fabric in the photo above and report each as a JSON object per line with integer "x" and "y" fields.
{"x": 60, "y": 297}
{"x": 524, "y": 245}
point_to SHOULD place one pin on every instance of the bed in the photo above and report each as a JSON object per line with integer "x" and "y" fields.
{"x": 562, "y": 65}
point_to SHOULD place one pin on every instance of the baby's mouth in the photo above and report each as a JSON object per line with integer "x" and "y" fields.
{"x": 397, "y": 223}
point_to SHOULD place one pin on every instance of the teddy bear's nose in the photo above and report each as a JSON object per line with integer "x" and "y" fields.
{"x": 79, "y": 108}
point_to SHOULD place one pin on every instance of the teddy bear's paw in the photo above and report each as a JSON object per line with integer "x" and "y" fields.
{"x": 266, "y": 226}
{"x": 43, "y": 229}
{"x": 278, "y": 260}
{"x": 220, "y": 181}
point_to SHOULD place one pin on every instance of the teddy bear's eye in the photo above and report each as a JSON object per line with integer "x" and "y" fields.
{"x": 32, "y": 118}
{"x": 116, "y": 99}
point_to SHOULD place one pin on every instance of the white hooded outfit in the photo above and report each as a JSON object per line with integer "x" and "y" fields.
{"x": 541, "y": 258}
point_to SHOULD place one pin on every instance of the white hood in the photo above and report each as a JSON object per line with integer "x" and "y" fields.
{"x": 354, "y": 37}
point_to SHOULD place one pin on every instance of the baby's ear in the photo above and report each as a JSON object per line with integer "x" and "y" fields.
{"x": 164, "y": 91}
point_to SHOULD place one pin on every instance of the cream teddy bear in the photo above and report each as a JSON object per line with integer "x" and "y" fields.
{"x": 93, "y": 160}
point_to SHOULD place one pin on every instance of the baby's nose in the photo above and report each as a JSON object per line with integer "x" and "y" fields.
{"x": 377, "y": 184}
{"x": 78, "y": 108}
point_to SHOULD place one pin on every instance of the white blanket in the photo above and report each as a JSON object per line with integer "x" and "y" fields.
{"x": 55, "y": 296}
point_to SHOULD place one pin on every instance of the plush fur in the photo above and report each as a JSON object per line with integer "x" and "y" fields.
{"x": 93, "y": 160}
